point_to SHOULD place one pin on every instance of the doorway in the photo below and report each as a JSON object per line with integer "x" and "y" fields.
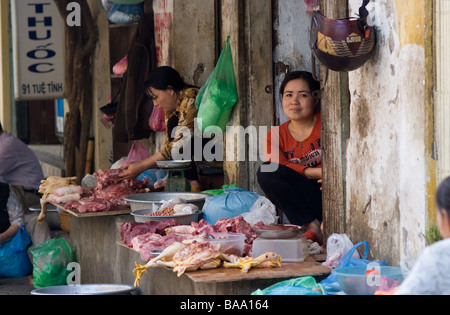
{"x": 291, "y": 51}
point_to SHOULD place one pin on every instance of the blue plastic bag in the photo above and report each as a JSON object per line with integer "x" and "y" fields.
{"x": 331, "y": 284}
{"x": 234, "y": 202}
{"x": 14, "y": 260}
{"x": 153, "y": 175}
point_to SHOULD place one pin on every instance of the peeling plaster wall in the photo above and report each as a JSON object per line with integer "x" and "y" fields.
{"x": 386, "y": 174}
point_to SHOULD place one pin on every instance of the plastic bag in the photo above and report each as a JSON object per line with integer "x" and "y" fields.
{"x": 126, "y": 13}
{"x": 331, "y": 284}
{"x": 263, "y": 210}
{"x": 137, "y": 153}
{"x": 50, "y": 260}
{"x": 217, "y": 97}
{"x": 337, "y": 246}
{"x": 217, "y": 192}
{"x": 14, "y": 261}
{"x": 298, "y": 286}
{"x": 233, "y": 203}
{"x": 153, "y": 176}
{"x": 157, "y": 120}
{"x": 121, "y": 67}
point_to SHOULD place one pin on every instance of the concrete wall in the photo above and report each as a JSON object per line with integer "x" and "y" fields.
{"x": 388, "y": 157}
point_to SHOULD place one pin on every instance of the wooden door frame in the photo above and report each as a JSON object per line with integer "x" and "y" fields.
{"x": 335, "y": 133}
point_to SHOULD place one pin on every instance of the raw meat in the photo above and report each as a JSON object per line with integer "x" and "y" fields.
{"x": 68, "y": 190}
{"x": 235, "y": 225}
{"x": 109, "y": 192}
{"x": 89, "y": 204}
{"x": 129, "y": 230}
{"x": 198, "y": 255}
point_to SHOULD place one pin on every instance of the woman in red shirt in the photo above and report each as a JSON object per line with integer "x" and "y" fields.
{"x": 294, "y": 149}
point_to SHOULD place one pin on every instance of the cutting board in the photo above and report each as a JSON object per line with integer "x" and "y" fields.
{"x": 120, "y": 210}
{"x": 287, "y": 270}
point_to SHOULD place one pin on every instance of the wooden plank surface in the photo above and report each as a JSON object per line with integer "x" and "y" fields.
{"x": 287, "y": 270}
{"x": 120, "y": 210}
{"x": 310, "y": 267}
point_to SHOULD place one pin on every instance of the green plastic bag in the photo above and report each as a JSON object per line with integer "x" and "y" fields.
{"x": 218, "y": 192}
{"x": 298, "y": 286}
{"x": 217, "y": 97}
{"x": 50, "y": 260}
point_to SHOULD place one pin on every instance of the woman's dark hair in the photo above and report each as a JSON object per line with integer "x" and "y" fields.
{"x": 443, "y": 196}
{"x": 1, "y": 128}
{"x": 163, "y": 78}
{"x": 314, "y": 85}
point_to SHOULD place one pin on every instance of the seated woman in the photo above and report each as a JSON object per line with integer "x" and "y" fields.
{"x": 294, "y": 149}
{"x": 170, "y": 93}
{"x": 431, "y": 273}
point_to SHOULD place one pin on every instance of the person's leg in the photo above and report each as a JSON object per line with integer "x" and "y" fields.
{"x": 298, "y": 197}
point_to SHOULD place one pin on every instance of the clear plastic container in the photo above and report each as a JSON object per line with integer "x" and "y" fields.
{"x": 291, "y": 250}
{"x": 232, "y": 243}
{"x": 354, "y": 281}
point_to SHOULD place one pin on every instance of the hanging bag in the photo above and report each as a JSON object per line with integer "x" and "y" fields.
{"x": 137, "y": 153}
{"x": 157, "y": 120}
{"x": 217, "y": 97}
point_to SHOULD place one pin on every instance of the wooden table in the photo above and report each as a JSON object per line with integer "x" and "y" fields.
{"x": 119, "y": 210}
{"x": 310, "y": 267}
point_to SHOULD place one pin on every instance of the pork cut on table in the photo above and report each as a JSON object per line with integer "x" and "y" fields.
{"x": 129, "y": 231}
{"x": 108, "y": 193}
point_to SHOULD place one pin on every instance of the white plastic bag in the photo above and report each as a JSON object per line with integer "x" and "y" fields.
{"x": 263, "y": 210}
{"x": 337, "y": 246}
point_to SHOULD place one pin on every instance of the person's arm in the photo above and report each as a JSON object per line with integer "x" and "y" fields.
{"x": 16, "y": 217}
{"x": 9, "y": 234}
{"x": 133, "y": 170}
{"x": 313, "y": 173}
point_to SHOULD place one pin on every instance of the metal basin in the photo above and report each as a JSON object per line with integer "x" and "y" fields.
{"x": 294, "y": 231}
{"x": 86, "y": 289}
{"x": 184, "y": 219}
{"x": 152, "y": 201}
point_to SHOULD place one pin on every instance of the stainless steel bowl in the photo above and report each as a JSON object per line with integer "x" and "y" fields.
{"x": 280, "y": 234}
{"x": 173, "y": 164}
{"x": 184, "y": 219}
{"x": 86, "y": 289}
{"x": 152, "y": 201}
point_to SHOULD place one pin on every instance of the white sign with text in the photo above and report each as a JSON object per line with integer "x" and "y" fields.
{"x": 38, "y": 50}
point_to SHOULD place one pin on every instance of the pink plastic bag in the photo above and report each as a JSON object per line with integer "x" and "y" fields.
{"x": 121, "y": 67}
{"x": 157, "y": 121}
{"x": 137, "y": 153}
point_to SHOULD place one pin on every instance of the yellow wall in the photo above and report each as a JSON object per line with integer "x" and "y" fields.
{"x": 5, "y": 81}
{"x": 415, "y": 20}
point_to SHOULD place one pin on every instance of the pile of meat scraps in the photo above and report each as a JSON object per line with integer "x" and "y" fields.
{"x": 108, "y": 194}
{"x": 150, "y": 236}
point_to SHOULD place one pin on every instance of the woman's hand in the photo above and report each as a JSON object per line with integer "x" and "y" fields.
{"x": 133, "y": 170}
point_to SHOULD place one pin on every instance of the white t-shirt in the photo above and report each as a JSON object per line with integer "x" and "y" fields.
{"x": 431, "y": 273}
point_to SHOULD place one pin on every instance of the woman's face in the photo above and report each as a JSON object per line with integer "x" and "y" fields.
{"x": 298, "y": 101}
{"x": 164, "y": 99}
